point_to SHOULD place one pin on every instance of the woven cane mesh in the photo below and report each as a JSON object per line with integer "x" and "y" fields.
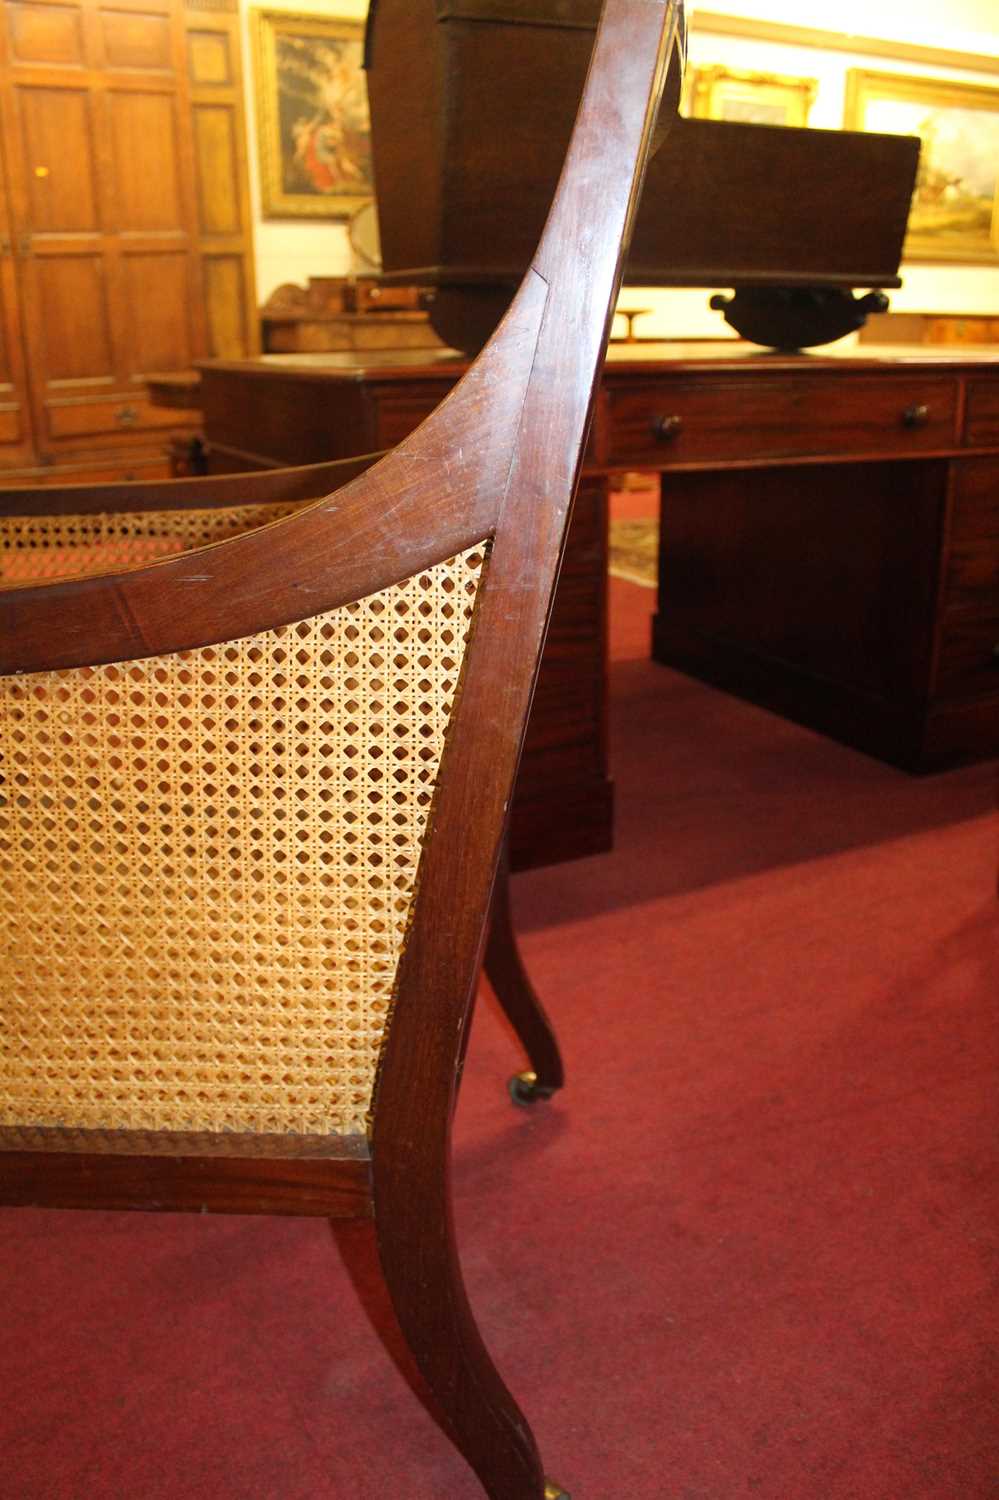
{"x": 36, "y": 548}
{"x": 207, "y": 863}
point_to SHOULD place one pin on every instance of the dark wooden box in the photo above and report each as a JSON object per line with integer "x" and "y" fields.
{"x": 472, "y": 102}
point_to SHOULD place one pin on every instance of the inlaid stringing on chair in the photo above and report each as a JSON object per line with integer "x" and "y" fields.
{"x": 253, "y": 798}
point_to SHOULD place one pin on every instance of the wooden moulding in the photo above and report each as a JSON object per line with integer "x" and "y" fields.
{"x": 170, "y": 1172}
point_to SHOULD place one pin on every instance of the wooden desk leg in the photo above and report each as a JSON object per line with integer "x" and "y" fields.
{"x": 505, "y": 971}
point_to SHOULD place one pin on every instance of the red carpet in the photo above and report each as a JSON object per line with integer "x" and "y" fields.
{"x": 749, "y": 1255}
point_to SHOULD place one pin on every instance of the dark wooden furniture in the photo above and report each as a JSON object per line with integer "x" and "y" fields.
{"x": 335, "y": 313}
{"x": 274, "y": 408}
{"x": 271, "y": 777}
{"x": 125, "y": 226}
{"x": 64, "y": 531}
{"x": 471, "y": 103}
{"x": 830, "y": 543}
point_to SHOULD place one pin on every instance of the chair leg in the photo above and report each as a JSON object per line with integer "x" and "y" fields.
{"x": 419, "y": 1260}
{"x": 505, "y": 971}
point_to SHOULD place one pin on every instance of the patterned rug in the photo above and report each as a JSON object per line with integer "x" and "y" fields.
{"x": 634, "y": 551}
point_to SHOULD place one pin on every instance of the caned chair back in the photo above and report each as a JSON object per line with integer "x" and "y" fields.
{"x": 252, "y": 797}
{"x": 209, "y": 863}
{"x": 244, "y": 827}
{"x": 63, "y": 531}
{"x": 240, "y": 811}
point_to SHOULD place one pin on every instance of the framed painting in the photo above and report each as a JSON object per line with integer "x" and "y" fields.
{"x": 720, "y": 93}
{"x": 313, "y": 126}
{"x": 954, "y": 213}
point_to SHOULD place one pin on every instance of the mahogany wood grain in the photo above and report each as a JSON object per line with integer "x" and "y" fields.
{"x": 982, "y": 418}
{"x": 976, "y": 510}
{"x": 810, "y": 590}
{"x": 740, "y": 411}
{"x": 968, "y": 664}
{"x": 972, "y": 574}
{"x": 266, "y": 486}
{"x": 723, "y": 200}
{"x": 778, "y": 416}
{"x": 572, "y": 305}
{"x": 499, "y": 460}
{"x": 191, "y": 1176}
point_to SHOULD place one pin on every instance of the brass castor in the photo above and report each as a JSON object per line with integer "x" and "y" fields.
{"x": 553, "y": 1492}
{"x": 524, "y": 1090}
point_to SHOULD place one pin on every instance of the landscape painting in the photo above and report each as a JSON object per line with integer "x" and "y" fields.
{"x": 954, "y": 207}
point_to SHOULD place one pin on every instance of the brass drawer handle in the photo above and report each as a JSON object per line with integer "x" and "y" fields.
{"x": 666, "y": 429}
{"x": 916, "y": 415}
{"x": 126, "y": 416}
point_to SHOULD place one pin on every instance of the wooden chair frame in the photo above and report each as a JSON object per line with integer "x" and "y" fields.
{"x": 267, "y": 488}
{"x": 498, "y": 463}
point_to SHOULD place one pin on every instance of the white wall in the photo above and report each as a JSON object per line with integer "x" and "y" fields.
{"x": 294, "y": 249}
{"x": 968, "y": 25}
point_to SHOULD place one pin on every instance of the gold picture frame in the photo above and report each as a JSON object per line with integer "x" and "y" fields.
{"x": 955, "y": 206}
{"x": 720, "y": 93}
{"x": 313, "y": 125}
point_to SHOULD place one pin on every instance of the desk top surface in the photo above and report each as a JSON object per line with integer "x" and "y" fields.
{"x": 639, "y": 357}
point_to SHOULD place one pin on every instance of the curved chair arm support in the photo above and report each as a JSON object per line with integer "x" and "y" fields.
{"x": 421, "y": 1066}
{"x": 255, "y": 486}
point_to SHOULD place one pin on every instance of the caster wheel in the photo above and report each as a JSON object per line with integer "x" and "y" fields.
{"x": 524, "y": 1090}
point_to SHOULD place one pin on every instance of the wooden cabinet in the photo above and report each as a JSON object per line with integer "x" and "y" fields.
{"x": 15, "y": 415}
{"x": 127, "y": 237}
{"x": 830, "y": 540}
{"x": 846, "y": 572}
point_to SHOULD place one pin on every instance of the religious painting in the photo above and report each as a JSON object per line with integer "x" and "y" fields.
{"x": 955, "y": 205}
{"x": 720, "y": 93}
{"x": 313, "y": 126}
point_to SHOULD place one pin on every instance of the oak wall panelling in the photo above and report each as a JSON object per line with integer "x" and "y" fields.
{"x": 123, "y": 206}
{"x": 225, "y": 221}
{"x": 15, "y": 414}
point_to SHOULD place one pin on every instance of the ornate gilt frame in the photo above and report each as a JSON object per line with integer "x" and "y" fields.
{"x": 277, "y": 200}
{"x": 712, "y": 86}
{"x": 930, "y": 236}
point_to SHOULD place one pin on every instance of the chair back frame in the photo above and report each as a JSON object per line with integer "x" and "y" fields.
{"x": 496, "y": 464}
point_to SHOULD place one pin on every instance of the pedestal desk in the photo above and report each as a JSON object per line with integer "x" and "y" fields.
{"x": 830, "y": 539}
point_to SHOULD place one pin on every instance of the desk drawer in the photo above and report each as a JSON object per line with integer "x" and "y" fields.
{"x": 729, "y": 419}
{"x": 969, "y": 655}
{"x": 116, "y": 414}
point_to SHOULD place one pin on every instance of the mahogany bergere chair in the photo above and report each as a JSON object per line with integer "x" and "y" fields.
{"x": 253, "y": 798}
{"x": 63, "y": 531}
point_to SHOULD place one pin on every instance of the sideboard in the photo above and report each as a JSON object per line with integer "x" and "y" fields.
{"x": 829, "y": 539}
